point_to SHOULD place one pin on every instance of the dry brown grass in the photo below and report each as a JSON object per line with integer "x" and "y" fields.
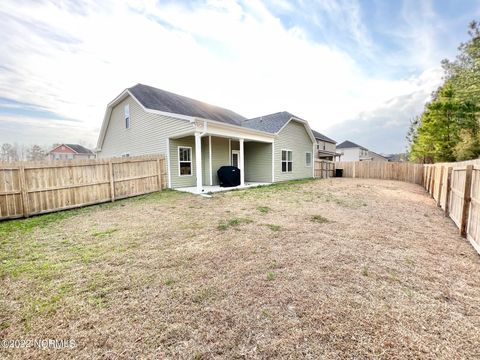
{"x": 246, "y": 274}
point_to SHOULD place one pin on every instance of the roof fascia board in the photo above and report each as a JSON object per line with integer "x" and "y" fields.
{"x": 233, "y": 131}
{"x": 55, "y": 148}
{"x": 238, "y": 127}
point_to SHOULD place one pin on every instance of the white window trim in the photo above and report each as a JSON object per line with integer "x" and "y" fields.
{"x": 311, "y": 159}
{"x": 126, "y": 110}
{"x": 191, "y": 164}
{"x": 235, "y": 152}
{"x": 281, "y": 158}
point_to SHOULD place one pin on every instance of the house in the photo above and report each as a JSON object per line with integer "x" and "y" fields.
{"x": 70, "y": 152}
{"x": 198, "y": 138}
{"x": 354, "y": 152}
{"x": 326, "y": 147}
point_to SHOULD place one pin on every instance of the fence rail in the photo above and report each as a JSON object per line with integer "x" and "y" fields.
{"x": 324, "y": 169}
{"x": 31, "y": 188}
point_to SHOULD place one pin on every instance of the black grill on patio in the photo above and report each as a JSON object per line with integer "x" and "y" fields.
{"x": 229, "y": 176}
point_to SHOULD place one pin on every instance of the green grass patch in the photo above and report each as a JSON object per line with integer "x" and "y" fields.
{"x": 271, "y": 276}
{"x": 104, "y": 233}
{"x": 263, "y": 209}
{"x": 24, "y": 226}
{"x": 169, "y": 282}
{"x": 235, "y": 222}
{"x": 319, "y": 219}
{"x": 271, "y": 188}
{"x": 365, "y": 271}
{"x": 38, "y": 305}
{"x": 274, "y": 227}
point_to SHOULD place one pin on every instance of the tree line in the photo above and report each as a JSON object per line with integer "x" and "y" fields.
{"x": 449, "y": 127}
{"x": 20, "y": 152}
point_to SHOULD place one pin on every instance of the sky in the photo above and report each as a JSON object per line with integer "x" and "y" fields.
{"x": 356, "y": 70}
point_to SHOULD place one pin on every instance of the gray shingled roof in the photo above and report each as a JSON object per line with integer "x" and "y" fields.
{"x": 348, "y": 144}
{"x": 161, "y": 100}
{"x": 79, "y": 149}
{"x": 322, "y": 137}
{"x": 270, "y": 123}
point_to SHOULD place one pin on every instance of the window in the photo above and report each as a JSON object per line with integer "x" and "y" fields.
{"x": 287, "y": 163}
{"x": 308, "y": 159}
{"x": 126, "y": 154}
{"x": 185, "y": 160}
{"x": 127, "y": 116}
{"x": 318, "y": 147}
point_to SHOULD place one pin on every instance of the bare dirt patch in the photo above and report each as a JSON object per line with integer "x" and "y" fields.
{"x": 340, "y": 268}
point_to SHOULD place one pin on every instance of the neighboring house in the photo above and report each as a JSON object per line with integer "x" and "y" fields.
{"x": 353, "y": 152}
{"x": 326, "y": 147}
{"x": 198, "y": 138}
{"x": 70, "y": 152}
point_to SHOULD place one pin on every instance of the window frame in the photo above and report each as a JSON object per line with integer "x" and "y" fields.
{"x": 126, "y": 116}
{"x": 189, "y": 161}
{"x": 286, "y": 161}
{"x": 311, "y": 159}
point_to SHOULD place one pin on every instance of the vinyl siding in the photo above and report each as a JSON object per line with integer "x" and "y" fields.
{"x": 328, "y": 146}
{"x": 350, "y": 154}
{"x": 205, "y": 162}
{"x": 220, "y": 156}
{"x": 293, "y": 137}
{"x": 258, "y": 162}
{"x": 147, "y": 133}
{"x": 177, "y": 180}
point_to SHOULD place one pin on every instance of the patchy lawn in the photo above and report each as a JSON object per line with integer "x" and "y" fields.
{"x": 326, "y": 268}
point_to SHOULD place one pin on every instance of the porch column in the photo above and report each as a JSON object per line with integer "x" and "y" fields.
{"x": 198, "y": 161}
{"x": 241, "y": 164}
{"x": 210, "y": 159}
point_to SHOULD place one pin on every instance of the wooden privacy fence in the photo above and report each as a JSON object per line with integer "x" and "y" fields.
{"x": 402, "y": 171}
{"x": 324, "y": 169}
{"x": 456, "y": 189}
{"x": 31, "y": 188}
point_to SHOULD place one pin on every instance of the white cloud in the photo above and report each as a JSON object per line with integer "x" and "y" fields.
{"x": 235, "y": 55}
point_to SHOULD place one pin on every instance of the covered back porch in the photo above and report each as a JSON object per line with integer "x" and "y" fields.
{"x": 194, "y": 158}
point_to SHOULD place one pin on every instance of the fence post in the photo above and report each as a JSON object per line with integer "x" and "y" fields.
{"x": 112, "y": 180}
{"x": 424, "y": 176}
{"x": 432, "y": 187}
{"x": 449, "y": 189}
{"x": 23, "y": 189}
{"x": 466, "y": 200}
{"x": 427, "y": 178}
{"x": 440, "y": 184}
{"x": 159, "y": 177}
{"x": 353, "y": 171}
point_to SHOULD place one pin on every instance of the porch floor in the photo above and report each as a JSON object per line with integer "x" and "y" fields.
{"x": 216, "y": 188}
